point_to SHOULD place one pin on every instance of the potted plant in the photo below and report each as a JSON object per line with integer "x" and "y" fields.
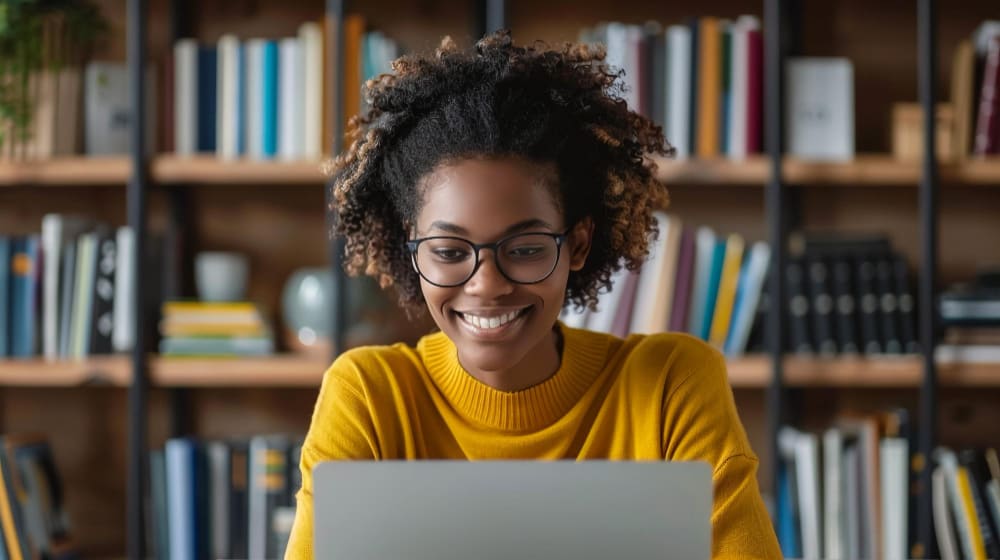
{"x": 43, "y": 44}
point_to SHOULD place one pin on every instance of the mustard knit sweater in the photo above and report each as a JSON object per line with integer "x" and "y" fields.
{"x": 663, "y": 396}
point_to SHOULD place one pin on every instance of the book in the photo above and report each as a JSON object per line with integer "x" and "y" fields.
{"x": 944, "y": 528}
{"x": 963, "y": 70}
{"x": 207, "y": 94}
{"x": 311, "y": 39}
{"x": 728, "y": 280}
{"x": 679, "y": 89}
{"x": 25, "y": 267}
{"x": 834, "y": 513}
{"x": 101, "y": 322}
{"x": 291, "y": 100}
{"x": 704, "y": 250}
{"x": 230, "y": 90}
{"x": 987, "y": 134}
{"x": 268, "y": 490}
{"x": 6, "y": 253}
{"x": 59, "y": 231}
{"x": 894, "y": 457}
{"x": 748, "y": 296}
{"x": 186, "y": 88}
{"x": 709, "y": 86}
{"x": 819, "y": 108}
{"x": 682, "y": 282}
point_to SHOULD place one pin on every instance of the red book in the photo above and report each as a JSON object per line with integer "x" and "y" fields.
{"x": 682, "y": 283}
{"x": 755, "y": 92}
{"x": 987, "y": 140}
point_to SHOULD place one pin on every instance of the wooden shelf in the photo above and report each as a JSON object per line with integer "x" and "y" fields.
{"x": 272, "y": 371}
{"x": 864, "y": 170}
{"x": 202, "y": 170}
{"x": 752, "y": 372}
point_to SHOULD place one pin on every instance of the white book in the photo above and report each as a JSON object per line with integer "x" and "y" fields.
{"x": 894, "y": 464}
{"x": 618, "y": 59}
{"x": 254, "y": 107}
{"x": 83, "y": 297}
{"x": 679, "y": 89}
{"x": 311, "y": 39}
{"x": 807, "y": 482}
{"x": 647, "y": 310}
{"x": 57, "y": 231}
{"x": 963, "y": 530}
{"x": 179, "y": 461}
{"x": 819, "y": 107}
{"x": 123, "y": 333}
{"x": 967, "y": 353}
{"x": 228, "y": 98}
{"x": 607, "y": 306}
{"x": 186, "y": 97}
{"x": 834, "y": 536}
{"x": 944, "y": 529}
{"x": 739, "y": 49}
{"x": 704, "y": 247}
{"x": 291, "y": 98}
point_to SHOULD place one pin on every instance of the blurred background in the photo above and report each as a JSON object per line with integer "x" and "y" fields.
{"x": 246, "y": 99}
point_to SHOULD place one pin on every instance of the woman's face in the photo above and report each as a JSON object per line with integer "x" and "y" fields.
{"x": 484, "y": 201}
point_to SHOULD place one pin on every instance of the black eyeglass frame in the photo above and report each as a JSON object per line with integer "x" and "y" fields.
{"x": 560, "y": 238}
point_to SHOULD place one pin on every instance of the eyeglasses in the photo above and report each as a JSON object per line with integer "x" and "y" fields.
{"x": 523, "y": 258}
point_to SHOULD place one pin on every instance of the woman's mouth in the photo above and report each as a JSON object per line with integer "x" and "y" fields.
{"x": 491, "y": 324}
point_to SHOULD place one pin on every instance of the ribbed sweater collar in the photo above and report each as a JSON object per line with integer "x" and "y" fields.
{"x": 584, "y": 355}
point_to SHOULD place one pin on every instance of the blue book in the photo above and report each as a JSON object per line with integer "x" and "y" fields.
{"x": 714, "y": 277}
{"x": 738, "y": 304}
{"x": 182, "y": 512}
{"x": 25, "y": 289}
{"x": 270, "y": 99}
{"x": 5, "y": 282}
{"x": 207, "y": 97}
{"x": 241, "y": 100}
{"x": 787, "y": 518}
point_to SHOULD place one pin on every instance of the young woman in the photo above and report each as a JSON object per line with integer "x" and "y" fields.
{"x": 491, "y": 188}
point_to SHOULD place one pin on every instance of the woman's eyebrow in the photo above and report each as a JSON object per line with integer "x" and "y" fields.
{"x": 456, "y": 229}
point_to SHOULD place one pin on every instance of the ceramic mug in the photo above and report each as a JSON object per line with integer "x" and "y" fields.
{"x": 221, "y": 275}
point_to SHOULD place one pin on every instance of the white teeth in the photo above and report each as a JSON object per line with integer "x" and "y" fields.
{"x": 489, "y": 322}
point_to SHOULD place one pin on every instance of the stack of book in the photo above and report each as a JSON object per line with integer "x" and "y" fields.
{"x": 32, "y": 509}
{"x": 701, "y": 80}
{"x": 971, "y": 314}
{"x": 851, "y": 493}
{"x": 66, "y": 292}
{"x": 223, "y": 499}
{"x": 975, "y": 92}
{"x": 226, "y": 329}
{"x": 266, "y": 98}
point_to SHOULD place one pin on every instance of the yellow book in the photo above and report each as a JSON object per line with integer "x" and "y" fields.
{"x": 354, "y": 32}
{"x": 709, "y": 86}
{"x": 208, "y": 307}
{"x": 211, "y": 329}
{"x": 727, "y": 290}
{"x": 7, "y": 520}
{"x": 969, "y": 511}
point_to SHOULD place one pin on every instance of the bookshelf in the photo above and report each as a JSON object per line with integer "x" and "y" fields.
{"x": 835, "y": 195}
{"x": 865, "y": 170}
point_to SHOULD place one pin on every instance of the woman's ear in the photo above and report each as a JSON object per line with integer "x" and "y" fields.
{"x": 579, "y": 239}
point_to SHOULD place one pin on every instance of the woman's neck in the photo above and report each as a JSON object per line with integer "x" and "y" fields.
{"x": 538, "y": 365}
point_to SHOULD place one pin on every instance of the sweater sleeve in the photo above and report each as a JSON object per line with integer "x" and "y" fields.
{"x": 701, "y": 424}
{"x": 341, "y": 428}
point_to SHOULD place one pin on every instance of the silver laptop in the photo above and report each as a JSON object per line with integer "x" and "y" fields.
{"x": 445, "y": 510}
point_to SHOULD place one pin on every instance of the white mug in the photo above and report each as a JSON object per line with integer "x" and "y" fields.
{"x": 221, "y": 276}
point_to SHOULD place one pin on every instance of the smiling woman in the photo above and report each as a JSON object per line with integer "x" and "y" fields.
{"x": 492, "y": 188}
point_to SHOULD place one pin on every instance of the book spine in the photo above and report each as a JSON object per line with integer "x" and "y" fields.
{"x": 207, "y": 98}
{"x": 102, "y": 320}
{"x": 868, "y": 305}
{"x": 845, "y": 306}
{"x": 888, "y": 306}
{"x": 986, "y": 140}
{"x": 5, "y": 281}
{"x": 821, "y": 305}
{"x": 797, "y": 308}
{"x": 905, "y": 304}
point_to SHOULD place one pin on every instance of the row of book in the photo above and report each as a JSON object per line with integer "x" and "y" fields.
{"x": 845, "y": 294}
{"x": 265, "y": 98}
{"x": 975, "y": 92}
{"x": 196, "y": 328}
{"x": 702, "y": 80}
{"x": 223, "y": 499}
{"x": 33, "y": 520}
{"x": 66, "y": 291}
{"x": 851, "y": 492}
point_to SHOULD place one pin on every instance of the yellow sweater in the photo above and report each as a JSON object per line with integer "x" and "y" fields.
{"x": 663, "y": 396}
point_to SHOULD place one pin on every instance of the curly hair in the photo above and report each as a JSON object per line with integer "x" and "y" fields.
{"x": 546, "y": 106}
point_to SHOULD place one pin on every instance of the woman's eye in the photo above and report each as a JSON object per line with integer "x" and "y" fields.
{"x": 525, "y": 251}
{"x": 450, "y": 254}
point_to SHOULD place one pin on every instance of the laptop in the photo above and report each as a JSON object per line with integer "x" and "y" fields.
{"x": 504, "y": 510}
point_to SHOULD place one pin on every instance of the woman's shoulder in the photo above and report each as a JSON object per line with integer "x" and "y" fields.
{"x": 673, "y": 357}
{"x": 365, "y": 367}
